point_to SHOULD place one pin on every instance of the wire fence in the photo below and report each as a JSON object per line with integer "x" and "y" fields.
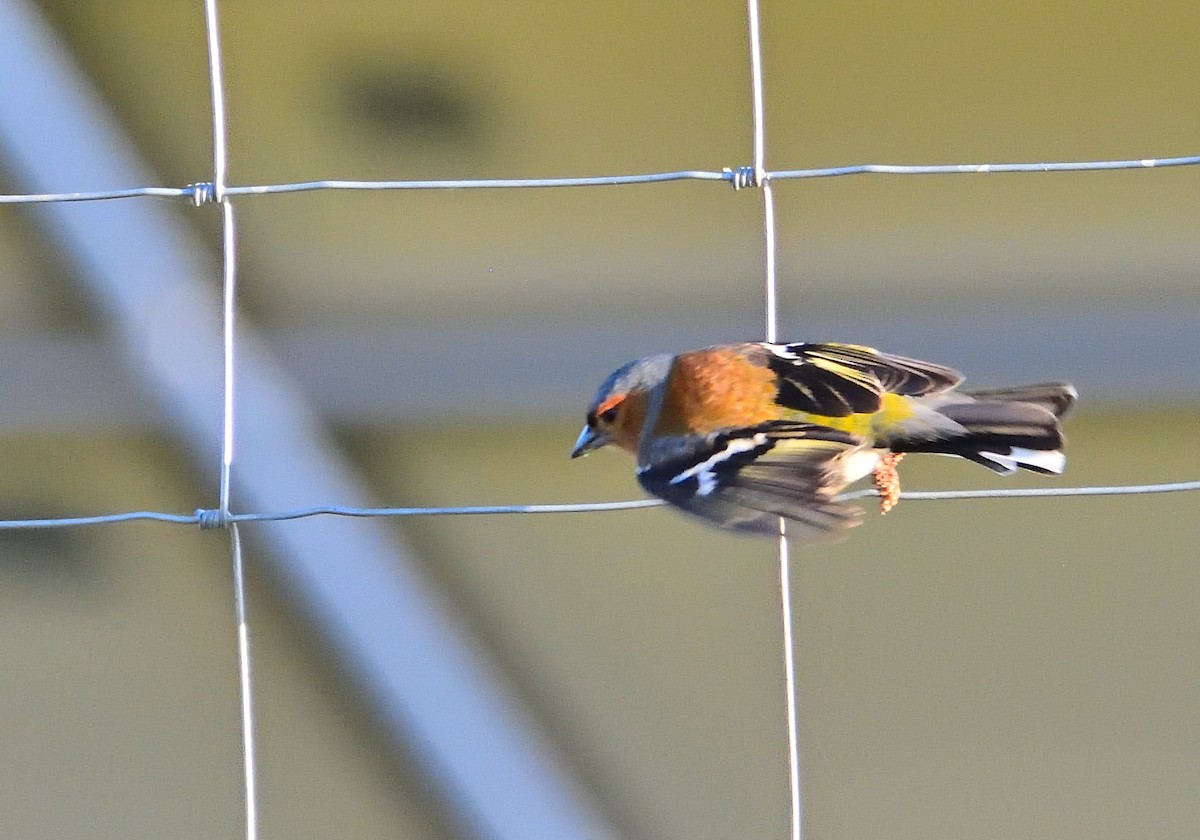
{"x": 204, "y": 192}
{"x": 213, "y": 518}
{"x": 755, "y": 175}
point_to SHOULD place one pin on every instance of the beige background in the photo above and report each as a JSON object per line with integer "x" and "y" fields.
{"x": 969, "y": 669}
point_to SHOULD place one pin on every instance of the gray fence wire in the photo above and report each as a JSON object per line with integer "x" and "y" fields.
{"x": 205, "y": 193}
{"x": 207, "y": 519}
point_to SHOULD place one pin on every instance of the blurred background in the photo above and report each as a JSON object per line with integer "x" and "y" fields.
{"x": 1021, "y": 668}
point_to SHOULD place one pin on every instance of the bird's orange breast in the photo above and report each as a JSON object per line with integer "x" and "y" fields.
{"x": 716, "y": 389}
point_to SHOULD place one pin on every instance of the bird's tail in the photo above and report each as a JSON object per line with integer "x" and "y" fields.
{"x": 1004, "y": 429}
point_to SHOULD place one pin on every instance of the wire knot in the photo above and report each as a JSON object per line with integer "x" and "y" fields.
{"x": 203, "y": 193}
{"x": 744, "y": 176}
{"x": 211, "y": 520}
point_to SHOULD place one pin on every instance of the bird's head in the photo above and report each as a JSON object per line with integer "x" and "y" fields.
{"x": 618, "y": 411}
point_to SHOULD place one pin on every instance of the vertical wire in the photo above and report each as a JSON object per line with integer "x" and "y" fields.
{"x": 220, "y": 167}
{"x": 228, "y": 312}
{"x": 759, "y": 162}
{"x": 789, "y": 676}
{"x": 756, "y": 92}
{"x": 249, "y": 764}
{"x": 217, "y": 83}
{"x": 228, "y": 320}
{"x": 771, "y": 297}
{"x": 772, "y": 332}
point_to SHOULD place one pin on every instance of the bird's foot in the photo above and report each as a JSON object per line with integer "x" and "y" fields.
{"x": 887, "y": 480}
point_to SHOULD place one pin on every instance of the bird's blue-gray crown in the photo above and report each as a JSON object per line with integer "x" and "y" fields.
{"x": 639, "y": 375}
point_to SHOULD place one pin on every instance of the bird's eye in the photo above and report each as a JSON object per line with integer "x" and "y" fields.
{"x": 609, "y": 415}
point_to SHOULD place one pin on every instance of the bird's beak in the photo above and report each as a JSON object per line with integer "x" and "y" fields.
{"x": 589, "y": 439}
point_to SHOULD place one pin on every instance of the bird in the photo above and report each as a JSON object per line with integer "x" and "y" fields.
{"x": 742, "y": 435}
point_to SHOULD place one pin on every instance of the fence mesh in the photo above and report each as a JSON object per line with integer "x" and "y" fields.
{"x": 755, "y": 175}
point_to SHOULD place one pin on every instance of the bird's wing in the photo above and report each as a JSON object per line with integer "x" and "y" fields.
{"x": 838, "y": 380}
{"x": 745, "y": 479}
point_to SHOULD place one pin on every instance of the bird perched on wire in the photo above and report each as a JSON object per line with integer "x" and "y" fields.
{"x": 743, "y": 434}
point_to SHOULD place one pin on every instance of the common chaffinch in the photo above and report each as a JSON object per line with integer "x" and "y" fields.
{"x": 743, "y": 434}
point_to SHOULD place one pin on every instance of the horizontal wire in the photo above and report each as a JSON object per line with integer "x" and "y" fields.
{"x": 200, "y": 193}
{"x": 209, "y": 519}
{"x": 100, "y": 195}
{"x": 984, "y": 168}
{"x": 471, "y": 510}
{"x": 1031, "y": 492}
{"x": 101, "y": 519}
{"x": 485, "y": 183}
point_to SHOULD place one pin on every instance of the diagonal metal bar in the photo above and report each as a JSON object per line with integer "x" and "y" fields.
{"x": 143, "y": 273}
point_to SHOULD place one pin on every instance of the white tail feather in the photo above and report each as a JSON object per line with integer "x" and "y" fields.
{"x": 1047, "y": 460}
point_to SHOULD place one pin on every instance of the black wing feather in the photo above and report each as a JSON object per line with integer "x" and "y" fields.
{"x": 837, "y": 380}
{"x": 745, "y": 479}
